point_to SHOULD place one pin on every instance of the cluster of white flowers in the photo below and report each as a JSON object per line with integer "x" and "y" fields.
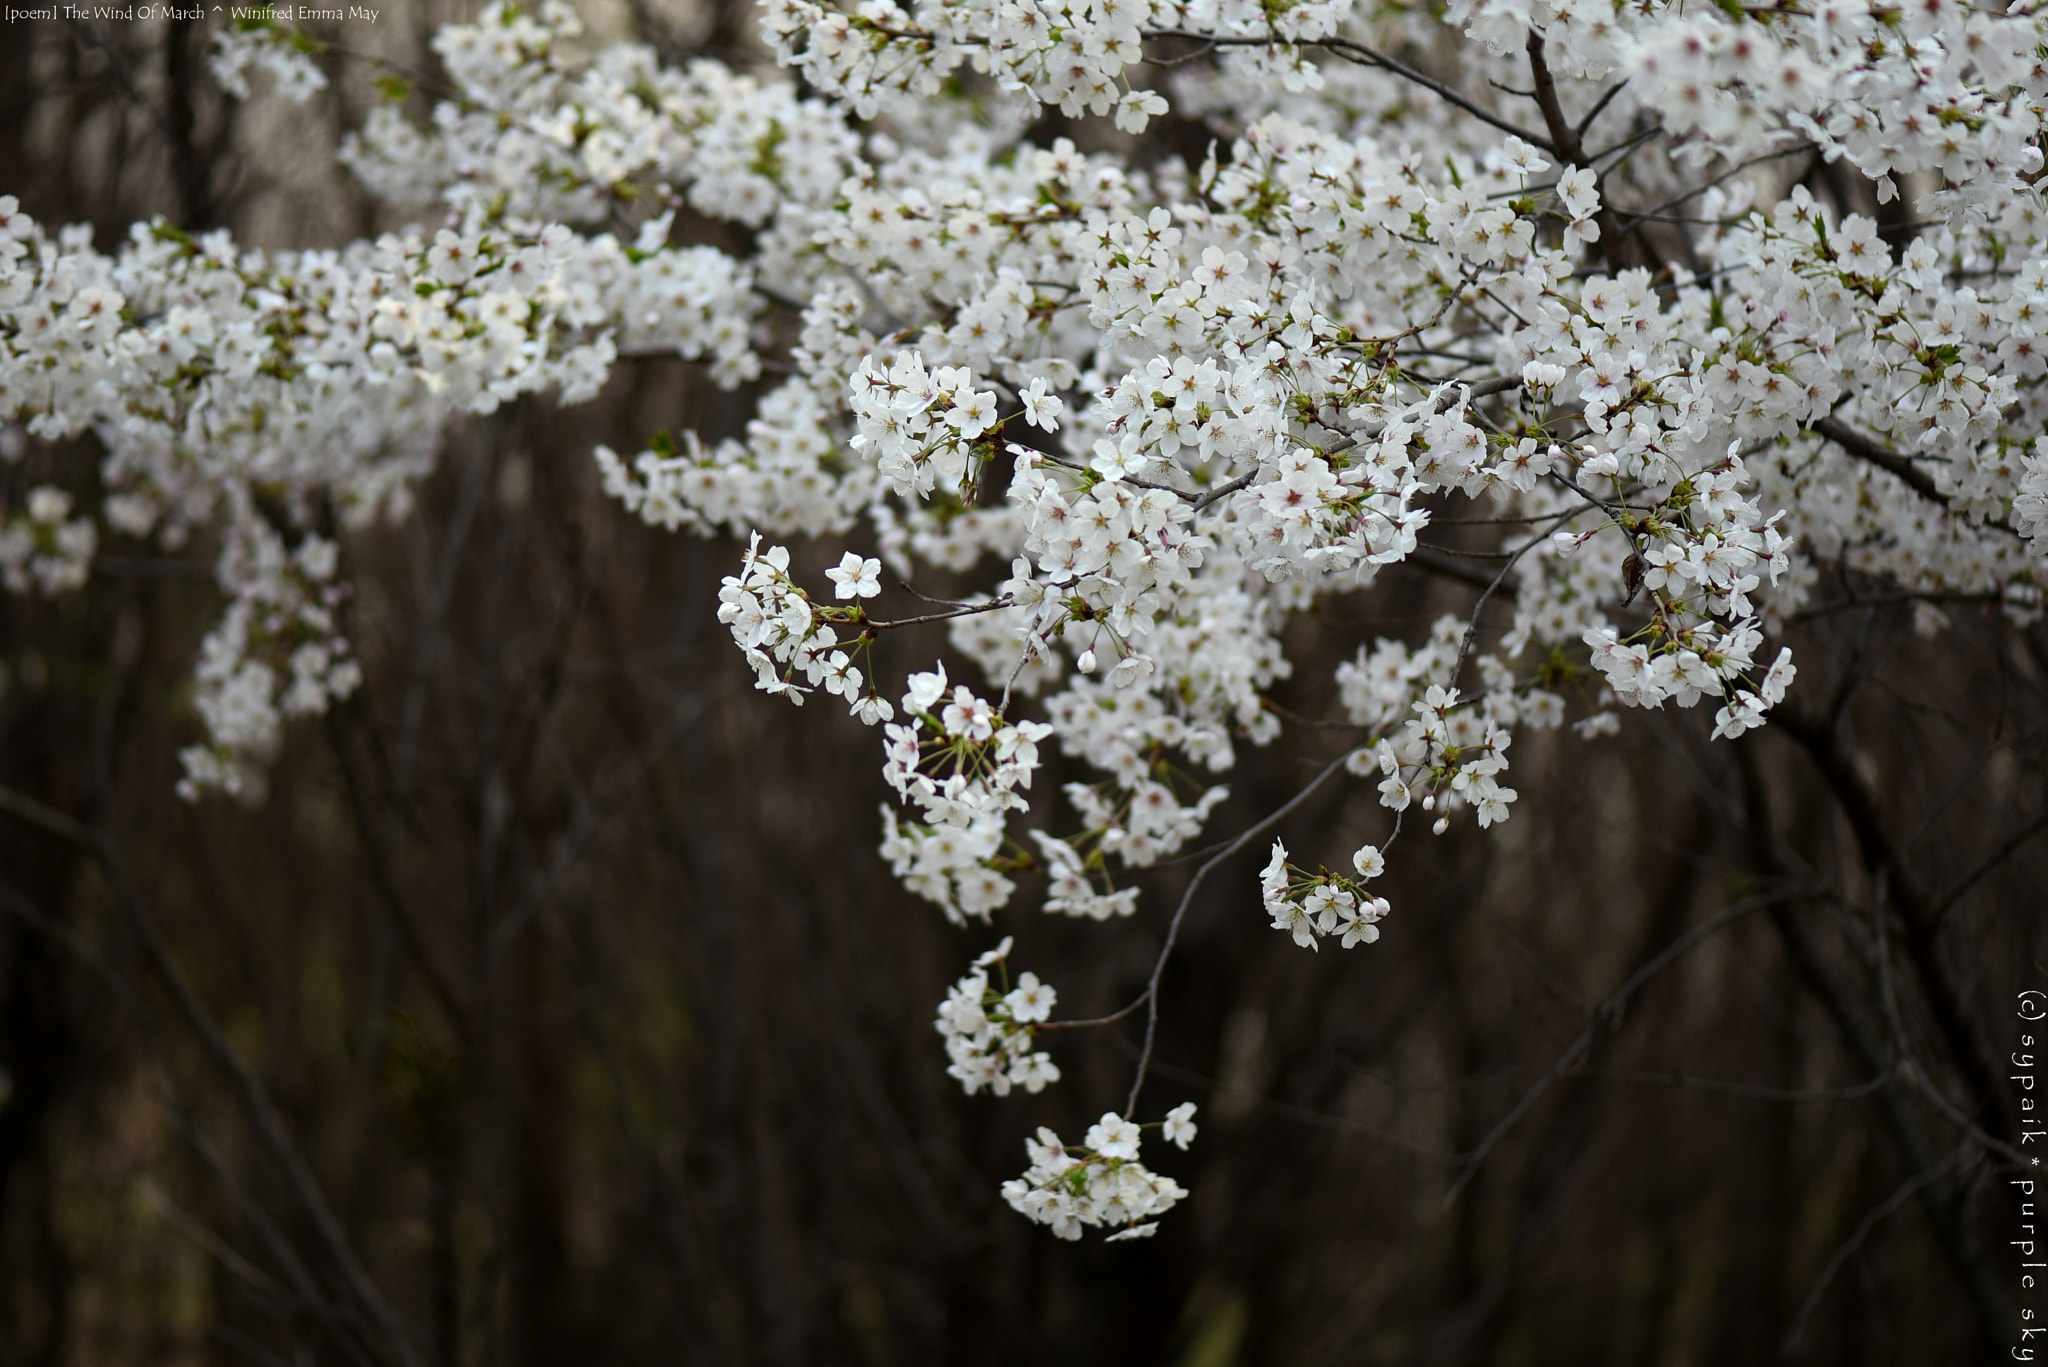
{"x": 258, "y": 43}
{"x": 43, "y": 547}
{"x": 1069, "y": 53}
{"x": 963, "y": 766}
{"x": 785, "y": 478}
{"x": 1310, "y": 906}
{"x": 988, "y": 1032}
{"x": 1150, "y": 414}
{"x": 241, "y": 389}
{"x": 920, "y": 427}
{"x": 785, "y": 635}
{"x": 1100, "y": 1180}
{"x": 277, "y": 653}
{"x": 539, "y": 133}
{"x": 1893, "y": 90}
{"x": 1449, "y": 753}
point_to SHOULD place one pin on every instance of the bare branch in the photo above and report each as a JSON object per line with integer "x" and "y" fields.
{"x": 1607, "y": 1016}
{"x": 1151, "y": 994}
{"x": 973, "y": 611}
{"x": 254, "y": 1101}
{"x": 1884, "y": 1208}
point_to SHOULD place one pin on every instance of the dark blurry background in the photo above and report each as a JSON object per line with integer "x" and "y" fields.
{"x": 555, "y": 1008}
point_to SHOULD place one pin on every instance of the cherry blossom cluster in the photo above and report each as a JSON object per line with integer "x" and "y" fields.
{"x": 1099, "y": 1182}
{"x": 533, "y": 131}
{"x": 920, "y": 427}
{"x": 1447, "y": 755}
{"x": 784, "y": 635}
{"x": 271, "y": 394}
{"x": 1068, "y": 53}
{"x": 43, "y": 547}
{"x": 1890, "y": 89}
{"x": 963, "y": 767}
{"x": 989, "y": 1030}
{"x": 1134, "y": 814}
{"x": 277, "y": 653}
{"x": 1314, "y": 906}
{"x": 260, "y": 43}
{"x": 1893, "y": 90}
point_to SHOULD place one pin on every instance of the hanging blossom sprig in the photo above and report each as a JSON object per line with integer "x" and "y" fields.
{"x": 1310, "y": 906}
{"x": 989, "y": 1029}
{"x": 786, "y": 637}
{"x": 1100, "y": 1181}
{"x": 963, "y": 768}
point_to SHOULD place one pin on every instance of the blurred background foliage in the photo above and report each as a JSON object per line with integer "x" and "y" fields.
{"x": 553, "y": 1006}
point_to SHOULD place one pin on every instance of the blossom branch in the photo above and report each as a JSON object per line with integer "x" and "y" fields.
{"x": 1899, "y": 466}
{"x": 1367, "y": 56}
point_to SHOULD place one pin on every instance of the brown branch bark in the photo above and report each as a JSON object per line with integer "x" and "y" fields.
{"x": 1860, "y": 806}
{"x": 1564, "y": 136}
{"x": 1900, "y": 467}
{"x": 1863, "y": 1035}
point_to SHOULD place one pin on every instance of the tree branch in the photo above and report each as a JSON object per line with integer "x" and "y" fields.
{"x": 1901, "y": 467}
{"x": 257, "y": 1105}
{"x": 1865, "y": 1041}
{"x": 1564, "y": 138}
{"x": 1860, "y": 806}
{"x": 1606, "y": 1016}
{"x": 1367, "y": 56}
{"x": 1150, "y": 996}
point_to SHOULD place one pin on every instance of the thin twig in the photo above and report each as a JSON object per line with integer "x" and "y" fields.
{"x": 1458, "y": 392}
{"x": 1607, "y": 1015}
{"x": 1670, "y": 204}
{"x": 1752, "y": 1090}
{"x": 1902, "y": 1045}
{"x": 1891, "y": 1203}
{"x": 2006, "y": 849}
{"x": 1151, "y": 993}
{"x": 254, "y": 1102}
{"x": 1585, "y": 124}
{"x": 250, "y": 1274}
{"x": 976, "y": 609}
{"x": 1222, "y": 491}
{"x": 1472, "y": 622}
{"x": 1366, "y": 56}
